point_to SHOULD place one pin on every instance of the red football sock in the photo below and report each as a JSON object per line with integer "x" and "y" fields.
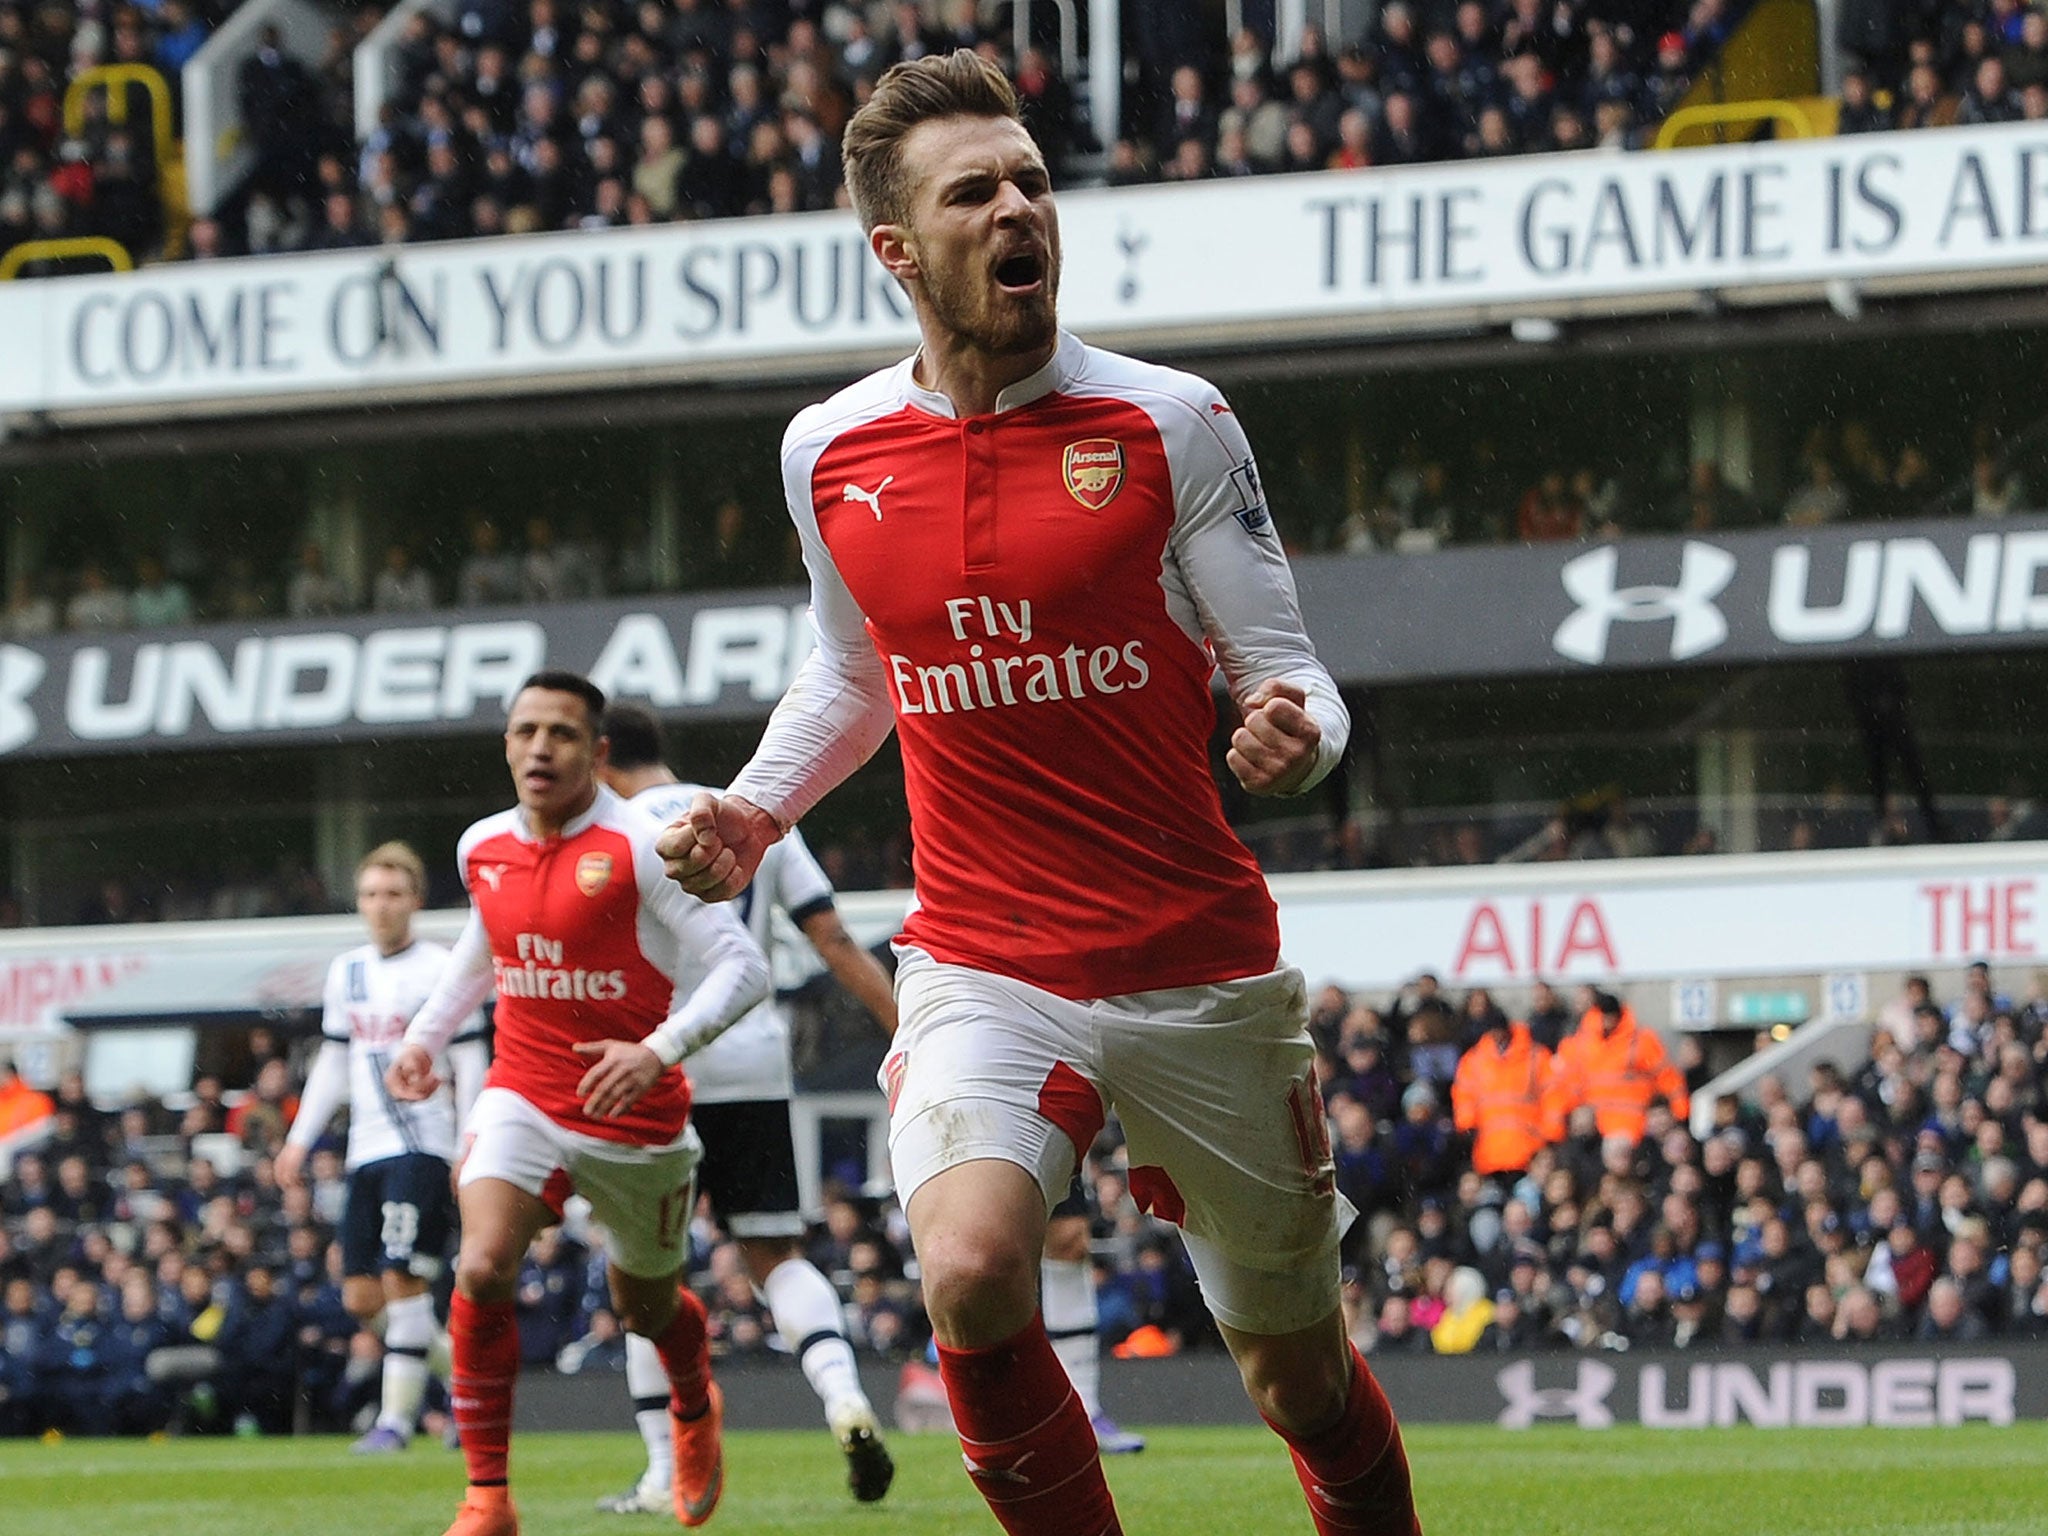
{"x": 685, "y": 1349}
{"x": 1029, "y": 1446}
{"x": 1355, "y": 1473}
{"x": 483, "y": 1337}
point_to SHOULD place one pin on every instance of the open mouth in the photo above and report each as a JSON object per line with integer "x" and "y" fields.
{"x": 1020, "y": 273}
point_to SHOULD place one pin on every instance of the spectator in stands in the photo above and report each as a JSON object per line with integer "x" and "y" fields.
{"x": 1498, "y": 1096}
{"x": 1989, "y": 98}
{"x": 657, "y": 175}
{"x": 97, "y": 604}
{"x": 1615, "y": 1068}
{"x": 280, "y": 114}
{"x": 1708, "y": 503}
{"x": 1820, "y": 499}
{"x": 183, "y": 34}
{"x": 313, "y": 592}
{"x": 1927, "y": 104}
{"x": 1995, "y": 491}
{"x": 1188, "y": 114}
{"x": 550, "y": 572}
{"x": 1948, "y": 1320}
{"x": 1860, "y": 111}
{"x": 158, "y": 599}
{"x": 490, "y": 574}
{"x": 401, "y": 586}
{"x": 31, "y": 611}
{"x": 1548, "y": 513}
{"x": 341, "y": 227}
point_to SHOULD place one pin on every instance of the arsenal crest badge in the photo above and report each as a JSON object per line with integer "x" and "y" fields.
{"x": 593, "y": 873}
{"x": 1094, "y": 471}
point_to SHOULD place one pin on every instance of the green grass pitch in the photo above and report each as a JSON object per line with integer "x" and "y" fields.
{"x": 1975, "y": 1481}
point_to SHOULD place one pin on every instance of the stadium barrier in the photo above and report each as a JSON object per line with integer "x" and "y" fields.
{"x": 1903, "y": 1386}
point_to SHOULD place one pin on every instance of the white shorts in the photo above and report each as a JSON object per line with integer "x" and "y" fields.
{"x": 745, "y": 1065}
{"x": 642, "y": 1195}
{"x": 1215, "y": 1088}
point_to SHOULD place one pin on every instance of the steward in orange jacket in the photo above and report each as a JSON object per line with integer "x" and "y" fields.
{"x": 1498, "y": 1097}
{"x": 1618, "y": 1068}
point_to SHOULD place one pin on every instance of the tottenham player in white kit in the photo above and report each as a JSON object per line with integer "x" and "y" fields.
{"x": 739, "y": 1102}
{"x": 400, "y": 1199}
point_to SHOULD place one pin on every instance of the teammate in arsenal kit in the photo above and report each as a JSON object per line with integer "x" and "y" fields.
{"x": 607, "y": 977}
{"x": 1029, "y": 556}
{"x": 394, "y": 1229}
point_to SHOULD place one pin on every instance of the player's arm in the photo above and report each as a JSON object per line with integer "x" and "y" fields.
{"x": 804, "y": 891}
{"x": 735, "y": 979}
{"x": 1228, "y": 558}
{"x": 463, "y": 984}
{"x": 857, "y": 970}
{"x": 326, "y": 1085}
{"x": 834, "y": 716}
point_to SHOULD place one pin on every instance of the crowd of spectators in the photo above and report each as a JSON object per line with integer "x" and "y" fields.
{"x": 1425, "y": 500}
{"x": 1436, "y": 493}
{"x": 1907, "y": 1199}
{"x": 1904, "y": 1200}
{"x": 542, "y": 115}
{"x": 1603, "y": 824}
{"x": 154, "y": 1275}
{"x": 1915, "y": 64}
{"x": 489, "y": 569}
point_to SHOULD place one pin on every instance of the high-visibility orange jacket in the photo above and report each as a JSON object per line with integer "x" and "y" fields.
{"x": 1498, "y": 1096}
{"x": 22, "y": 1106}
{"x": 1617, "y": 1073}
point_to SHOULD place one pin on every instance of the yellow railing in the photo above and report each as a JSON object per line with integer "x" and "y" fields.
{"x": 1774, "y": 55}
{"x": 115, "y": 80}
{"x": 113, "y": 252}
{"x": 1794, "y": 121}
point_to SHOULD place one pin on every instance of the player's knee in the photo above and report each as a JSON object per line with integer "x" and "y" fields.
{"x": 979, "y": 1287}
{"x": 1066, "y": 1239}
{"x": 765, "y": 1255}
{"x": 647, "y": 1316}
{"x": 363, "y": 1298}
{"x": 482, "y": 1275}
{"x": 1300, "y": 1395}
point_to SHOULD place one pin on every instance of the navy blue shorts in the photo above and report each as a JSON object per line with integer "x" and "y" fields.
{"x": 399, "y": 1213}
{"x": 749, "y": 1166}
{"x": 1076, "y": 1201}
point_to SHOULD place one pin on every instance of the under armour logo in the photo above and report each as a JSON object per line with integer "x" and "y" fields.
{"x": 1697, "y": 626}
{"x": 873, "y": 499}
{"x": 1584, "y": 1403}
{"x": 20, "y": 671}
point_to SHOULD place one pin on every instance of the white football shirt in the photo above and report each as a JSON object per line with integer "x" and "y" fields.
{"x": 368, "y": 1001}
{"x": 751, "y": 1060}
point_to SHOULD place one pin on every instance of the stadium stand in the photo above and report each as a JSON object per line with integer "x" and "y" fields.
{"x": 512, "y": 119}
{"x": 1907, "y": 1199}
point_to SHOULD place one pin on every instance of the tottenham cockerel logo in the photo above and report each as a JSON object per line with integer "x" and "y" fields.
{"x": 1094, "y": 471}
{"x": 1697, "y": 625}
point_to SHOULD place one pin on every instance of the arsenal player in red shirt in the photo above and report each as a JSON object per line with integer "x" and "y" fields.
{"x": 1028, "y": 556}
{"x": 607, "y": 976}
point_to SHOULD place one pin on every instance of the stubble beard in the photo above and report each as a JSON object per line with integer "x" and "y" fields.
{"x": 972, "y": 308}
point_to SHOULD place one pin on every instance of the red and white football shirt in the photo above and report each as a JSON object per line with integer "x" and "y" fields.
{"x": 583, "y": 938}
{"x": 1036, "y": 599}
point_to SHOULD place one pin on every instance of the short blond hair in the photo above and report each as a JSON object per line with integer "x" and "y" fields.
{"x": 398, "y": 856}
{"x": 957, "y": 84}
